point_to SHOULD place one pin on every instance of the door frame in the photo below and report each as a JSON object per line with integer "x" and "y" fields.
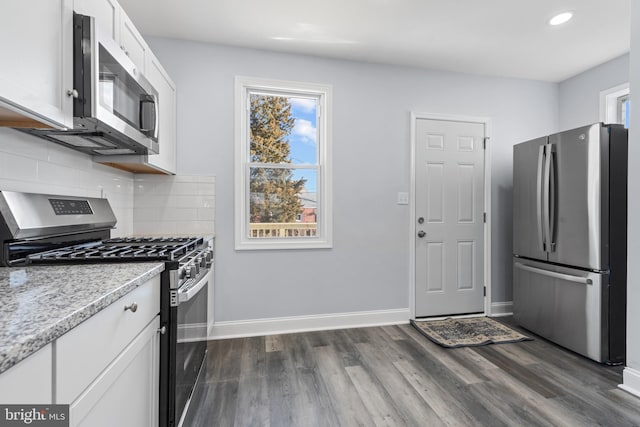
{"x": 415, "y": 116}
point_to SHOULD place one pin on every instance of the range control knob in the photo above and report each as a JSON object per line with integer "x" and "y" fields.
{"x": 208, "y": 258}
{"x": 191, "y": 271}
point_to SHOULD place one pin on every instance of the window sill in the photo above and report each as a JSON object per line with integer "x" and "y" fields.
{"x": 276, "y": 244}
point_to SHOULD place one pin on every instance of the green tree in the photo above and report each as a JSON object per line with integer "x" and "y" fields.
{"x": 274, "y": 191}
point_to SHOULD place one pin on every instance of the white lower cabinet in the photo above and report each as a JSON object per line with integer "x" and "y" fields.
{"x": 126, "y": 392}
{"x": 30, "y": 381}
{"x": 83, "y": 353}
{"x": 106, "y": 368}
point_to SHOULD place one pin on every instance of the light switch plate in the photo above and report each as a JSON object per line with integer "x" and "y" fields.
{"x": 403, "y": 198}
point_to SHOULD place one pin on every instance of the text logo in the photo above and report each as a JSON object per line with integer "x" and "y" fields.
{"x": 34, "y": 415}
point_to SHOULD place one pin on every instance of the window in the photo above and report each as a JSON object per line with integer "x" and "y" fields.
{"x": 614, "y": 105}
{"x": 622, "y": 110}
{"x": 283, "y": 175}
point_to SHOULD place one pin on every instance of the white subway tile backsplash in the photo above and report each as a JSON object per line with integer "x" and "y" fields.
{"x": 63, "y": 175}
{"x": 206, "y": 214}
{"x": 18, "y": 168}
{"x": 155, "y": 205}
{"x": 13, "y": 141}
{"x": 63, "y": 156}
{"x": 31, "y": 164}
{"x": 174, "y": 205}
{"x": 155, "y": 228}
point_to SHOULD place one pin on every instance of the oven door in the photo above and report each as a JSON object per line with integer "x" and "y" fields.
{"x": 191, "y": 344}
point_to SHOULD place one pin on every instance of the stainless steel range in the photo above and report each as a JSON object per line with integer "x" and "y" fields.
{"x": 47, "y": 229}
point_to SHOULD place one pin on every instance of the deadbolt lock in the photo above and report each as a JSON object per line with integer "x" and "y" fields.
{"x": 420, "y": 220}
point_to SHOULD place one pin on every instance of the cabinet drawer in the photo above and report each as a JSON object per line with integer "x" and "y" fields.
{"x": 85, "y": 351}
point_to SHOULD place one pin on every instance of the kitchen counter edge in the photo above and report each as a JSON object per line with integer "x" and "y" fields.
{"x": 41, "y": 303}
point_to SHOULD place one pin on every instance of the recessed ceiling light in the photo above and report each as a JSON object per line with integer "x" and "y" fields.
{"x": 561, "y": 18}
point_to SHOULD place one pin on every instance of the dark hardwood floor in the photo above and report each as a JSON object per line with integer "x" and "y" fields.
{"x": 393, "y": 376}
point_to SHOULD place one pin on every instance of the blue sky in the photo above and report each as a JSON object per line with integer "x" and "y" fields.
{"x": 302, "y": 140}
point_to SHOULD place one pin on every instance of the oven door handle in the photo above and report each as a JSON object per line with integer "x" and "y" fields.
{"x": 185, "y": 295}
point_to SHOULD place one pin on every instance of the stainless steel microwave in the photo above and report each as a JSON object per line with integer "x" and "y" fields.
{"x": 115, "y": 108}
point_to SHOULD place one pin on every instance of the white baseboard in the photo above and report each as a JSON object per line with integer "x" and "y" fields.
{"x": 499, "y": 309}
{"x": 287, "y": 325}
{"x": 631, "y": 381}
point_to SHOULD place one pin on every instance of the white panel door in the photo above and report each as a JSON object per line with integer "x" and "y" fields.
{"x": 449, "y": 213}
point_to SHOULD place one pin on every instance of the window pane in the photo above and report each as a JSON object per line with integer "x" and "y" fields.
{"x": 280, "y": 203}
{"x": 623, "y": 110}
{"x": 283, "y": 129}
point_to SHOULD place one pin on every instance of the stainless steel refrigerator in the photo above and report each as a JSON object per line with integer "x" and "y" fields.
{"x": 570, "y": 239}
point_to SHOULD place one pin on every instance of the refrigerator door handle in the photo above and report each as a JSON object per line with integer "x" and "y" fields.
{"x": 539, "y": 198}
{"x": 552, "y": 200}
{"x": 567, "y": 277}
{"x": 546, "y": 199}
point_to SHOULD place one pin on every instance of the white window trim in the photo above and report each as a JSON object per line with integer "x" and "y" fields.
{"x": 325, "y": 218}
{"x": 609, "y": 104}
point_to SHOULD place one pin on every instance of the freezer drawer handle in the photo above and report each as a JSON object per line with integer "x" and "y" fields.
{"x": 566, "y": 277}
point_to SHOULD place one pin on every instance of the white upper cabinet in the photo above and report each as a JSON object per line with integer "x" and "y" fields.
{"x": 106, "y": 13}
{"x": 166, "y": 159}
{"x": 132, "y": 43}
{"x": 36, "y": 39}
{"x": 111, "y": 19}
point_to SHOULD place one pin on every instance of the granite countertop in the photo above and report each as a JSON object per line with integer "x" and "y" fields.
{"x": 40, "y": 303}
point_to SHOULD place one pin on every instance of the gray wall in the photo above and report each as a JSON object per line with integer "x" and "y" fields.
{"x": 580, "y": 95}
{"x": 633, "y": 275}
{"x": 367, "y": 269}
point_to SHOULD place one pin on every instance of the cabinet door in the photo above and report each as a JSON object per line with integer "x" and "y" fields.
{"x": 156, "y": 74}
{"x": 28, "y": 382}
{"x": 85, "y": 351}
{"x": 126, "y": 393}
{"x": 36, "y": 42}
{"x": 106, "y": 13}
{"x": 132, "y": 42}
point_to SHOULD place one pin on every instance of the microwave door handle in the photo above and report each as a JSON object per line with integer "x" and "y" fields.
{"x": 539, "y": 207}
{"x": 148, "y": 99}
{"x": 156, "y": 120}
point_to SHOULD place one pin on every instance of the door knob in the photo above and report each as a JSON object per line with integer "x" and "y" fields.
{"x": 421, "y": 234}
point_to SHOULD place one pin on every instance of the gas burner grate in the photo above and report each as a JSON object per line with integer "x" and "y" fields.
{"x": 122, "y": 249}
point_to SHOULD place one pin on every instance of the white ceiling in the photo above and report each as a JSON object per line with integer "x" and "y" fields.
{"x": 491, "y": 37}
